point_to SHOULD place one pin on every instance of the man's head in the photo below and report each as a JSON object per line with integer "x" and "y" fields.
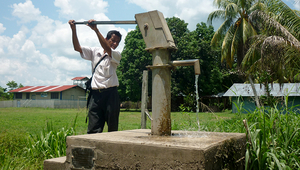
{"x": 113, "y": 37}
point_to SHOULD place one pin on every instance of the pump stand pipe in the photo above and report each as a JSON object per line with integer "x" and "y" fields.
{"x": 107, "y": 22}
{"x": 161, "y": 89}
{"x": 161, "y": 93}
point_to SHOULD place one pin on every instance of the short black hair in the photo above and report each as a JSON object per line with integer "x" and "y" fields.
{"x": 110, "y": 33}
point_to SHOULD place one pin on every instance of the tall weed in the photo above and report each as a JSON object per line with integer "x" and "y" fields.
{"x": 273, "y": 139}
{"x": 21, "y": 150}
{"x": 273, "y": 133}
{"x": 50, "y": 143}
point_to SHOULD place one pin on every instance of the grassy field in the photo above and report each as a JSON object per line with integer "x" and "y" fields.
{"x": 28, "y": 136}
{"x": 34, "y": 120}
{"x": 26, "y": 133}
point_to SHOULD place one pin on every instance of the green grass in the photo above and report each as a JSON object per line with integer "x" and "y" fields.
{"x": 34, "y": 120}
{"x": 28, "y": 136}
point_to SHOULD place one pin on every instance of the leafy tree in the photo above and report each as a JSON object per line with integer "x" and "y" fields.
{"x": 266, "y": 33}
{"x": 11, "y": 86}
{"x": 274, "y": 53}
{"x": 3, "y": 94}
{"x": 211, "y": 79}
{"x": 182, "y": 78}
{"x": 235, "y": 30}
{"x": 134, "y": 61}
{"x": 191, "y": 45}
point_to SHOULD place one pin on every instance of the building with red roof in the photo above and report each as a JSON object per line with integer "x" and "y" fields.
{"x": 58, "y": 92}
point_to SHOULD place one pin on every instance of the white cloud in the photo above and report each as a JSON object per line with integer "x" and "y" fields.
{"x": 101, "y": 17}
{"x": 65, "y": 6}
{"x": 78, "y": 9}
{"x": 14, "y": 44}
{"x": 25, "y": 11}
{"x": 167, "y": 7}
{"x": 191, "y": 11}
{"x": 67, "y": 64}
{"x": 11, "y": 68}
{"x": 28, "y": 46}
{"x": 33, "y": 56}
{"x": 56, "y": 36}
{"x": 4, "y": 65}
{"x": 3, "y": 44}
{"x": 2, "y": 28}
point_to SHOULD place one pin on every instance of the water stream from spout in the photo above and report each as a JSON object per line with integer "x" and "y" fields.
{"x": 197, "y": 100}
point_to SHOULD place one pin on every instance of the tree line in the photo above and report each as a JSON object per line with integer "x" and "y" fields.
{"x": 215, "y": 76}
{"x": 4, "y": 92}
{"x": 257, "y": 42}
{"x": 261, "y": 37}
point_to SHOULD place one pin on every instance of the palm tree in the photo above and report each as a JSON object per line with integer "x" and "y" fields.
{"x": 235, "y": 29}
{"x": 275, "y": 52}
{"x": 273, "y": 55}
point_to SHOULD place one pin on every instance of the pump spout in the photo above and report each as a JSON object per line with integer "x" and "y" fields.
{"x": 193, "y": 62}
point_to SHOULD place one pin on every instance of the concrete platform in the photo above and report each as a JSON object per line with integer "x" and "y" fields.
{"x": 55, "y": 163}
{"x": 138, "y": 149}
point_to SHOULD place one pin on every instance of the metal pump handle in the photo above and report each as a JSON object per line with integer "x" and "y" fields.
{"x": 107, "y": 22}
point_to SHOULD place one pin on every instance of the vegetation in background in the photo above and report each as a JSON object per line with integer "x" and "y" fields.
{"x": 235, "y": 30}
{"x": 215, "y": 77}
{"x": 4, "y": 95}
{"x": 273, "y": 138}
{"x": 276, "y": 49}
{"x": 261, "y": 37}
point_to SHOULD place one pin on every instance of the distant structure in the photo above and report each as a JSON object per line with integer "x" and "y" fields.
{"x": 57, "y": 92}
{"x": 80, "y": 81}
{"x": 51, "y": 96}
{"x": 243, "y": 94}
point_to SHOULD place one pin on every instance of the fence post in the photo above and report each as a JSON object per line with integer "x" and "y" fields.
{"x": 144, "y": 99}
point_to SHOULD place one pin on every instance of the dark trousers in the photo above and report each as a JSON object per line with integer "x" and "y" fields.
{"x": 104, "y": 107}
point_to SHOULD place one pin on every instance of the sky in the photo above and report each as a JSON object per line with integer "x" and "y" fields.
{"x": 35, "y": 37}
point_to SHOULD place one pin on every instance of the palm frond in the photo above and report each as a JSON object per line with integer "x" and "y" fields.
{"x": 231, "y": 10}
{"x": 226, "y": 47}
{"x": 218, "y": 14}
{"x": 221, "y": 4}
{"x": 258, "y": 6}
{"x": 247, "y": 30}
{"x": 274, "y": 28}
{"x": 286, "y": 17}
{"x": 221, "y": 31}
{"x": 253, "y": 54}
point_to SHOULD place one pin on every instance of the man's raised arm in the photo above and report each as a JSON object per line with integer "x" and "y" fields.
{"x": 76, "y": 44}
{"x": 102, "y": 40}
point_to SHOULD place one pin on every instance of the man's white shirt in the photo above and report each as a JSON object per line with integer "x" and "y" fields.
{"x": 105, "y": 75}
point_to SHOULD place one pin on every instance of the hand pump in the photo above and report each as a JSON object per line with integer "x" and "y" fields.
{"x": 160, "y": 43}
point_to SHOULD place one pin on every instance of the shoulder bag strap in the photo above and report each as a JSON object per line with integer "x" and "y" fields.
{"x": 98, "y": 64}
